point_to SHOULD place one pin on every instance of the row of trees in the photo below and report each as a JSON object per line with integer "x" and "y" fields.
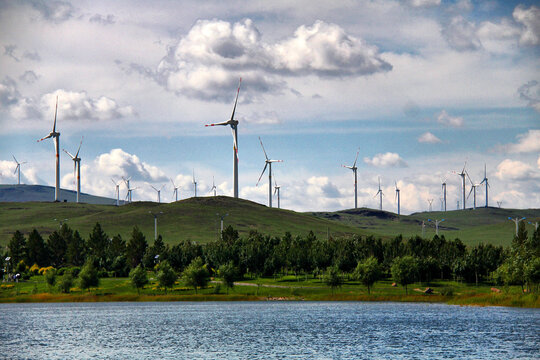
{"x": 263, "y": 255}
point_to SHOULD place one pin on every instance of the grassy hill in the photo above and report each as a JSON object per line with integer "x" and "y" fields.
{"x": 487, "y": 225}
{"x": 195, "y": 219}
{"x": 24, "y": 193}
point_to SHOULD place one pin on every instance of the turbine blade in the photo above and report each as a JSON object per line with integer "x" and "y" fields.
{"x": 71, "y": 156}
{"x": 264, "y": 169}
{"x": 472, "y": 188}
{"x": 172, "y": 182}
{"x": 46, "y": 137}
{"x": 55, "y": 112}
{"x": 154, "y": 187}
{"x": 266, "y": 156}
{"x": 356, "y": 158}
{"x": 16, "y": 167}
{"x": 14, "y": 158}
{"x": 236, "y": 100}
{"x": 216, "y": 124}
{"x": 77, "y": 154}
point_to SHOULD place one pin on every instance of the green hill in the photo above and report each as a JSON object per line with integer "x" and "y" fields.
{"x": 487, "y": 225}
{"x": 195, "y": 219}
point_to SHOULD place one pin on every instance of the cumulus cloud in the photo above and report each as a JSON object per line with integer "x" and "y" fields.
{"x": 530, "y": 19}
{"x": 530, "y": 92}
{"x": 515, "y": 170}
{"x": 445, "y": 119}
{"x": 461, "y": 34}
{"x": 103, "y": 20}
{"x": 55, "y": 11}
{"x": 388, "y": 159}
{"x": 8, "y": 173}
{"x": 205, "y": 63}
{"x": 528, "y": 142}
{"x": 429, "y": 138}
{"x": 424, "y": 3}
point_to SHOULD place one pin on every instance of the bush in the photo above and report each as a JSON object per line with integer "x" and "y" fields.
{"x": 447, "y": 291}
{"x": 65, "y": 283}
{"x": 88, "y": 276}
{"x": 138, "y": 278}
{"x": 166, "y": 275}
{"x": 50, "y": 277}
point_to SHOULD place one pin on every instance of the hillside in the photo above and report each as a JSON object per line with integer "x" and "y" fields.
{"x": 24, "y": 193}
{"x": 487, "y": 225}
{"x": 195, "y": 219}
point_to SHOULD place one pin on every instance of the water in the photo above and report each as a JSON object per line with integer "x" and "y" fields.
{"x": 266, "y": 330}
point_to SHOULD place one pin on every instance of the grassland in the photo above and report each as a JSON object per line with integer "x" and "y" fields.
{"x": 285, "y": 288}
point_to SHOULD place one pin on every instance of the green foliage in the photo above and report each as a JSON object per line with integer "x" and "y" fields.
{"x": 166, "y": 275}
{"x": 17, "y": 248}
{"x": 333, "y": 278}
{"x": 50, "y": 277}
{"x": 196, "y": 274}
{"x": 75, "y": 250}
{"x": 368, "y": 272}
{"x": 66, "y": 282}
{"x": 57, "y": 249}
{"x": 37, "y": 251}
{"x": 138, "y": 278}
{"x": 88, "y": 277}
{"x": 404, "y": 270}
{"x": 21, "y": 267}
{"x": 228, "y": 273}
{"x": 98, "y": 244}
{"x": 136, "y": 247}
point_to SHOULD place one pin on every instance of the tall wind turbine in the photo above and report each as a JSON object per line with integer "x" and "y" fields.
{"x": 473, "y": 190}
{"x": 194, "y": 183}
{"x": 117, "y": 185}
{"x": 175, "y": 191}
{"x": 268, "y": 163}
{"x": 463, "y": 173}
{"x": 276, "y": 190}
{"x": 444, "y": 193}
{"x": 234, "y": 128}
{"x": 380, "y": 193}
{"x": 485, "y": 180}
{"x": 397, "y": 198}
{"x": 56, "y": 136}
{"x": 18, "y": 169}
{"x": 213, "y": 186}
{"x": 430, "y": 201}
{"x": 76, "y": 168}
{"x": 354, "y": 168}
{"x": 158, "y": 192}
{"x": 128, "y": 195}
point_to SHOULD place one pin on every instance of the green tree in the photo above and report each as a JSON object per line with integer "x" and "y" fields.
{"x": 368, "y": 272}
{"x": 50, "y": 277}
{"x": 17, "y": 248}
{"x": 333, "y": 278}
{"x": 98, "y": 244}
{"x": 75, "y": 250}
{"x": 136, "y": 247}
{"x": 404, "y": 270}
{"x": 88, "y": 277}
{"x": 57, "y": 249}
{"x": 138, "y": 278}
{"x": 228, "y": 273}
{"x": 196, "y": 274}
{"x": 117, "y": 247}
{"x": 166, "y": 275}
{"x": 37, "y": 250}
{"x": 66, "y": 282}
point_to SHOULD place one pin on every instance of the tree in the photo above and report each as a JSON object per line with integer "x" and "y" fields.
{"x": 66, "y": 282}
{"x": 333, "y": 278}
{"x": 75, "y": 250}
{"x": 228, "y": 273}
{"x": 50, "y": 277}
{"x": 17, "y": 247}
{"x": 136, "y": 247}
{"x": 117, "y": 247}
{"x": 404, "y": 270}
{"x": 88, "y": 276}
{"x": 57, "y": 249}
{"x": 196, "y": 274}
{"x": 368, "y": 272}
{"x": 138, "y": 278}
{"x": 37, "y": 250}
{"x": 98, "y": 244}
{"x": 166, "y": 275}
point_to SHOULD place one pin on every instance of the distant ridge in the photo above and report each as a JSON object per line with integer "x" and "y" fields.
{"x": 26, "y": 193}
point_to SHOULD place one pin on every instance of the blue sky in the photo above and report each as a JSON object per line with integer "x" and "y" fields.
{"x": 417, "y": 87}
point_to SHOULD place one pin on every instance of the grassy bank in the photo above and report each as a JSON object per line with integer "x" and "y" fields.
{"x": 286, "y": 288}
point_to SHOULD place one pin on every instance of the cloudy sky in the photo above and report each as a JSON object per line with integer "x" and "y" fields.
{"x": 417, "y": 87}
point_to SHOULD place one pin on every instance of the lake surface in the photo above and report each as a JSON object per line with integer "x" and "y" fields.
{"x": 267, "y": 330}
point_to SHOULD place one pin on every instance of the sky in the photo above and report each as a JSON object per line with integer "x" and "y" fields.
{"x": 417, "y": 88}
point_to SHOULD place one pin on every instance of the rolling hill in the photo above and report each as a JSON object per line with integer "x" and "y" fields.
{"x": 25, "y": 193}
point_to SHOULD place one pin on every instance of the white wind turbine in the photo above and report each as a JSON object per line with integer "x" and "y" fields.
{"x": 485, "y": 180}
{"x": 128, "y": 195}
{"x": 463, "y": 173}
{"x": 194, "y": 183}
{"x": 473, "y": 190}
{"x": 56, "y": 136}
{"x": 76, "y": 168}
{"x": 354, "y": 169}
{"x": 117, "y": 186}
{"x": 268, "y": 163}
{"x": 380, "y": 193}
{"x": 397, "y": 198}
{"x": 175, "y": 191}
{"x": 214, "y": 188}
{"x": 18, "y": 169}
{"x": 276, "y": 190}
{"x": 444, "y": 193}
{"x": 430, "y": 201}
{"x": 234, "y": 128}
{"x": 158, "y": 192}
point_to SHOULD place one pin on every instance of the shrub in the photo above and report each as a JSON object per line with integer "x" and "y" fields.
{"x": 50, "y": 277}
{"x": 88, "y": 277}
{"x": 65, "y": 283}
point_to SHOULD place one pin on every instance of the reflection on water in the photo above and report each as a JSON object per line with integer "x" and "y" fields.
{"x": 266, "y": 330}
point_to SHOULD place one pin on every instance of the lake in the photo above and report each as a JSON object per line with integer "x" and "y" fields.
{"x": 267, "y": 330}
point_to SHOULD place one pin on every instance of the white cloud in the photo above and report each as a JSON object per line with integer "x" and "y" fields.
{"x": 528, "y": 142}
{"x": 388, "y": 159}
{"x": 530, "y": 19}
{"x": 429, "y": 138}
{"x": 424, "y": 3}
{"x": 447, "y": 120}
{"x": 515, "y": 170}
{"x": 461, "y": 34}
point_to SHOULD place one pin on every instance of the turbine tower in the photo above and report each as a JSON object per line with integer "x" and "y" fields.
{"x": 430, "y": 201}
{"x": 128, "y": 194}
{"x": 485, "y": 180}
{"x": 194, "y": 183}
{"x": 56, "y": 136}
{"x": 437, "y": 222}
{"x": 276, "y": 190}
{"x": 117, "y": 185}
{"x": 158, "y": 193}
{"x": 234, "y": 128}
{"x": 76, "y": 168}
{"x": 380, "y": 193}
{"x": 473, "y": 190}
{"x": 397, "y": 198}
{"x": 175, "y": 191}
{"x": 354, "y": 168}
{"x": 462, "y": 174}
{"x": 268, "y": 163}
{"x": 444, "y": 193}
{"x": 213, "y": 186}
{"x": 18, "y": 169}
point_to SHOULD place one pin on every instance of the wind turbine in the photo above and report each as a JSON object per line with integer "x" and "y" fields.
{"x": 517, "y": 220}
{"x": 56, "y": 136}
{"x": 18, "y": 169}
{"x": 437, "y": 222}
{"x": 213, "y": 186}
{"x": 462, "y": 174}
{"x": 130, "y": 193}
{"x": 268, "y": 163}
{"x": 194, "y": 183}
{"x": 158, "y": 193}
{"x": 397, "y": 198}
{"x": 234, "y": 128}
{"x": 175, "y": 191}
{"x": 354, "y": 168}
{"x": 473, "y": 190}
{"x": 117, "y": 185}
{"x": 499, "y": 203}
{"x": 380, "y": 193}
{"x": 276, "y": 190}
{"x": 430, "y": 201}
{"x": 444, "y": 193}
{"x": 485, "y": 180}
{"x": 76, "y": 168}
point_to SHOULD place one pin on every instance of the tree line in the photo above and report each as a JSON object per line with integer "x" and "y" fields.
{"x": 366, "y": 258}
